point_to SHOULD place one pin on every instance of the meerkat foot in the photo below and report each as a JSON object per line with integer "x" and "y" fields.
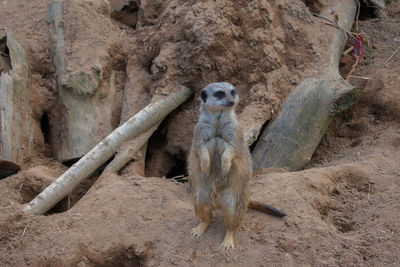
{"x": 199, "y": 230}
{"x": 228, "y": 241}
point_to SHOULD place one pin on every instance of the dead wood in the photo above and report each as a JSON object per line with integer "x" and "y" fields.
{"x": 132, "y": 153}
{"x": 16, "y": 133}
{"x": 292, "y": 138}
{"x": 86, "y": 100}
{"x": 141, "y": 122}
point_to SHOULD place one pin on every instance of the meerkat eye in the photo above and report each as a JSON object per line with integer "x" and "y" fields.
{"x": 219, "y": 94}
{"x": 233, "y": 92}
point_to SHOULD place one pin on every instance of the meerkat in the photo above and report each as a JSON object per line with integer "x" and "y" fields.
{"x": 219, "y": 163}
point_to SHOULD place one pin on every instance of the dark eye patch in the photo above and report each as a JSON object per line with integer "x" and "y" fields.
{"x": 203, "y": 95}
{"x": 233, "y": 92}
{"x": 219, "y": 94}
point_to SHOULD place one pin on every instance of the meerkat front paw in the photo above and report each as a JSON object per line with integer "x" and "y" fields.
{"x": 205, "y": 166}
{"x": 225, "y": 166}
{"x": 226, "y": 159}
{"x": 204, "y": 159}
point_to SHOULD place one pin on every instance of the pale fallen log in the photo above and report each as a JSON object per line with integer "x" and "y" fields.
{"x": 142, "y": 121}
{"x": 292, "y": 138}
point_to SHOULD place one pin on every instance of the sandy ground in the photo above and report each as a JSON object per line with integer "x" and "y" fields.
{"x": 343, "y": 209}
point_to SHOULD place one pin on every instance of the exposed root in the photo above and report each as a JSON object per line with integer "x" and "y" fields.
{"x": 353, "y": 68}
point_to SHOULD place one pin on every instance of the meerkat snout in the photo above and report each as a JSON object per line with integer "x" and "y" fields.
{"x": 219, "y": 96}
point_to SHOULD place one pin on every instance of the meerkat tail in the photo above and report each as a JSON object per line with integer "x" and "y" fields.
{"x": 255, "y": 205}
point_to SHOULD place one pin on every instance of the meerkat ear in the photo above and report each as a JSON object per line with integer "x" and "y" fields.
{"x": 203, "y": 95}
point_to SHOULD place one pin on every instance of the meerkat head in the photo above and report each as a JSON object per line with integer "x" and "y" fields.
{"x": 219, "y": 96}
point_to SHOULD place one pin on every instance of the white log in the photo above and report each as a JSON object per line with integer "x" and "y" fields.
{"x": 142, "y": 121}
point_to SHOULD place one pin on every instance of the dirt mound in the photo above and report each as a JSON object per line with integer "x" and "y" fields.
{"x": 345, "y": 214}
{"x": 343, "y": 209}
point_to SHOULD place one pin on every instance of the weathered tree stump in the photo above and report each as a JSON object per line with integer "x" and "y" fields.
{"x": 16, "y": 134}
{"x": 292, "y": 138}
{"x": 136, "y": 97}
{"x": 85, "y": 117}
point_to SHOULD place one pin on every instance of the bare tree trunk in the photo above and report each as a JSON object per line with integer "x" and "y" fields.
{"x": 136, "y": 97}
{"x": 86, "y": 100}
{"x": 136, "y": 125}
{"x": 293, "y": 137}
{"x": 16, "y": 134}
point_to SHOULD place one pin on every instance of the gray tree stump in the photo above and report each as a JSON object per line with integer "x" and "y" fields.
{"x": 85, "y": 117}
{"x": 16, "y": 134}
{"x": 292, "y": 138}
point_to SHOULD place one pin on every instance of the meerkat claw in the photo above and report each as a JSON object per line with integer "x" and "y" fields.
{"x": 226, "y": 246}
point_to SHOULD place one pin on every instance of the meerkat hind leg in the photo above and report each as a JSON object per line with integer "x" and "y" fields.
{"x": 204, "y": 212}
{"x": 233, "y": 209}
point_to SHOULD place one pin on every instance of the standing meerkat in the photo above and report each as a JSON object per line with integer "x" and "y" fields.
{"x": 219, "y": 163}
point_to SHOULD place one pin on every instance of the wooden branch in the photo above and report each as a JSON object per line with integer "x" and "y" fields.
{"x": 292, "y": 138}
{"x": 142, "y": 121}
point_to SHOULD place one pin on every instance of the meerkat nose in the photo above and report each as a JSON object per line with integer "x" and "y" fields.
{"x": 231, "y": 103}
